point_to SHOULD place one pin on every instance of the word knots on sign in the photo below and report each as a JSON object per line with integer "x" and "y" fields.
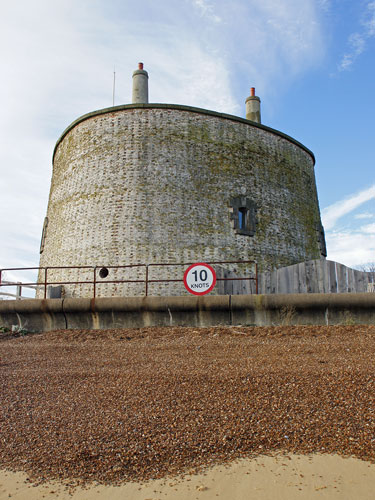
{"x": 199, "y": 279}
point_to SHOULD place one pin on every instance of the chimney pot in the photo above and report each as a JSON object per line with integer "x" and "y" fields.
{"x": 253, "y": 107}
{"x": 140, "y": 85}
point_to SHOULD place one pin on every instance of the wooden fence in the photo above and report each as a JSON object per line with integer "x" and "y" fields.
{"x": 314, "y": 276}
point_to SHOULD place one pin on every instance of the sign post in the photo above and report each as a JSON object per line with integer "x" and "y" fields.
{"x": 199, "y": 279}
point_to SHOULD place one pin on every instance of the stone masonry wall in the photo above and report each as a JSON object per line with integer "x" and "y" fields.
{"x": 150, "y": 185}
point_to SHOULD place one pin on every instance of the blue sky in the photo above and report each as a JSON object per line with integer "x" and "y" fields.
{"x": 311, "y": 61}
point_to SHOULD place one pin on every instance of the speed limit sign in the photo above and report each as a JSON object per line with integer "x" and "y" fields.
{"x": 199, "y": 279}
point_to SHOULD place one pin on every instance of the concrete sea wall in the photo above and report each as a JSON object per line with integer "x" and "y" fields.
{"x": 133, "y": 312}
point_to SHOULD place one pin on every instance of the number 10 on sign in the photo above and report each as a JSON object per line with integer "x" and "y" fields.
{"x": 199, "y": 279}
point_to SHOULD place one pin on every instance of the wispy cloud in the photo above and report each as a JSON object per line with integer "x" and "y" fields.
{"x": 357, "y": 41}
{"x": 369, "y": 22}
{"x": 352, "y": 248}
{"x": 365, "y": 215}
{"x": 325, "y": 4}
{"x": 348, "y": 241}
{"x": 207, "y": 10}
{"x": 59, "y": 65}
{"x": 357, "y": 44}
{"x": 332, "y": 213}
{"x": 368, "y": 229}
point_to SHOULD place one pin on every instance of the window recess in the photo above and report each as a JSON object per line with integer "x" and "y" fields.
{"x": 243, "y": 215}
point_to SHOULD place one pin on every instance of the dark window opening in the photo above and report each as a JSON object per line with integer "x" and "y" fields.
{"x": 243, "y": 215}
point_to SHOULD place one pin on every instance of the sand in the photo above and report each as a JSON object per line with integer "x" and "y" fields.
{"x": 264, "y": 478}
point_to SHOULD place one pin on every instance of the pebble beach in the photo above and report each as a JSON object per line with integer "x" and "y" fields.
{"x": 119, "y": 407}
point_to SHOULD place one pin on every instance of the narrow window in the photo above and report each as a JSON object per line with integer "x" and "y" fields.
{"x": 243, "y": 215}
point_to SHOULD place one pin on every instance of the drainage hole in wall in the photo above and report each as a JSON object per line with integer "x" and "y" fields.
{"x": 103, "y": 273}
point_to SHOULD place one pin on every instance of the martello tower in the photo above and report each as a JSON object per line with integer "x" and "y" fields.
{"x": 151, "y": 183}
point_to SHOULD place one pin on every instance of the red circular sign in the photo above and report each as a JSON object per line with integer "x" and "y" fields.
{"x": 199, "y": 279}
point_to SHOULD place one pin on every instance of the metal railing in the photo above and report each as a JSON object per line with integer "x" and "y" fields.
{"x": 100, "y": 273}
{"x": 19, "y": 285}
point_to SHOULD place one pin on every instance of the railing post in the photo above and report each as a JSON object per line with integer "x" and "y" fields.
{"x": 146, "y": 280}
{"x": 45, "y": 282}
{"x": 94, "y": 282}
{"x": 19, "y": 292}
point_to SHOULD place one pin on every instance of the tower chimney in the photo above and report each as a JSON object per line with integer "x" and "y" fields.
{"x": 253, "y": 107}
{"x": 140, "y": 85}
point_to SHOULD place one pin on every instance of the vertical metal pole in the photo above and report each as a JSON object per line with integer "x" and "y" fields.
{"x": 256, "y": 278}
{"x": 146, "y": 280}
{"x": 114, "y": 86}
{"x": 19, "y": 291}
{"x": 45, "y": 282}
{"x": 94, "y": 282}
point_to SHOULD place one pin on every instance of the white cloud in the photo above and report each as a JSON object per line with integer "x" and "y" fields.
{"x": 58, "y": 64}
{"x": 332, "y": 213}
{"x": 369, "y": 22}
{"x": 365, "y": 215}
{"x": 368, "y": 229}
{"x": 207, "y": 10}
{"x": 357, "y": 41}
{"x": 351, "y": 248}
{"x": 348, "y": 242}
{"x": 357, "y": 46}
{"x": 293, "y": 27}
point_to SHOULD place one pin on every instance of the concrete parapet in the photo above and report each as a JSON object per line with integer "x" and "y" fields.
{"x": 130, "y": 312}
{"x": 33, "y": 314}
{"x": 136, "y": 312}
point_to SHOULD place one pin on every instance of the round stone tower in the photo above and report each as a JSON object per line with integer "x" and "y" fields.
{"x": 161, "y": 183}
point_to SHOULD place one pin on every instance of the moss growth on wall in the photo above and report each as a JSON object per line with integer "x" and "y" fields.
{"x": 155, "y": 184}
